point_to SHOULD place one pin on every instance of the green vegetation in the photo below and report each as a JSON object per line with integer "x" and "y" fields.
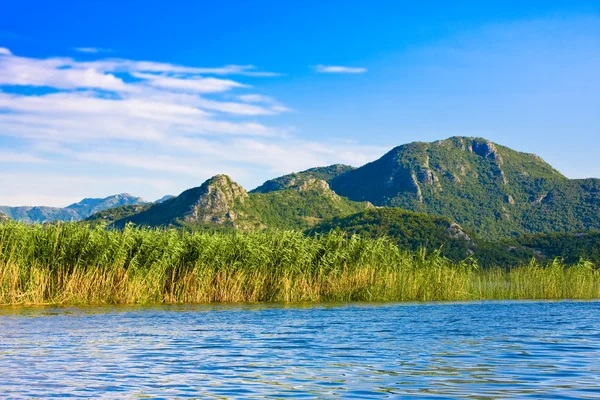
{"x": 74, "y": 264}
{"x": 570, "y": 247}
{"x": 413, "y": 231}
{"x": 488, "y": 189}
{"x": 408, "y": 230}
{"x": 112, "y": 215}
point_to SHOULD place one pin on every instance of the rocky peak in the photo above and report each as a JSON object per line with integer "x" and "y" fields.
{"x": 215, "y": 200}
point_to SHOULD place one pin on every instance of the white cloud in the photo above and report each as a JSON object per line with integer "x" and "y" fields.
{"x": 338, "y": 69}
{"x": 5, "y": 52}
{"x": 194, "y": 84}
{"x": 91, "y": 50}
{"x": 173, "y": 124}
{"x": 120, "y": 65}
{"x": 274, "y": 106}
{"x": 256, "y": 98}
{"x": 57, "y": 73}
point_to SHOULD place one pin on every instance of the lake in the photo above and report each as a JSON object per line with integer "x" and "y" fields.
{"x": 483, "y": 349}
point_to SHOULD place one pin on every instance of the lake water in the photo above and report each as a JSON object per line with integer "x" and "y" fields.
{"x": 482, "y": 349}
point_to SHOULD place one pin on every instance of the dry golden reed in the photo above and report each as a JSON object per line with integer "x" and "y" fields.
{"x": 75, "y": 264}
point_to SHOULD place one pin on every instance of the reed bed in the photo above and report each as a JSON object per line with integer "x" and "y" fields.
{"x": 75, "y": 264}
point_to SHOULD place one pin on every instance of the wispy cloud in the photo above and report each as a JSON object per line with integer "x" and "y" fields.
{"x": 189, "y": 84}
{"x": 92, "y": 50}
{"x": 338, "y": 69}
{"x": 164, "y": 122}
{"x": 274, "y": 105}
{"x": 19, "y": 158}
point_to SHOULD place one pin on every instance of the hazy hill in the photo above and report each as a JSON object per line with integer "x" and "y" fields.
{"x": 487, "y": 188}
{"x": 223, "y": 204}
{"x": 74, "y": 212}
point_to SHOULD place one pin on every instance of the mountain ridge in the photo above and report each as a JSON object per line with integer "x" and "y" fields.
{"x": 222, "y": 203}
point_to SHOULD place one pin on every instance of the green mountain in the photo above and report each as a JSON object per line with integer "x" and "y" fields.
{"x": 74, "y": 212}
{"x": 410, "y": 230}
{"x": 321, "y": 173}
{"x": 220, "y": 203}
{"x": 487, "y": 188}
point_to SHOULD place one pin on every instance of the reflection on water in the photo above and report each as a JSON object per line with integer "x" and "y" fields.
{"x": 490, "y": 349}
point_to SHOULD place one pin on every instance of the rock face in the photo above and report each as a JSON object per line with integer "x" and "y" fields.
{"x": 215, "y": 201}
{"x": 317, "y": 185}
{"x": 456, "y": 232}
{"x": 3, "y": 218}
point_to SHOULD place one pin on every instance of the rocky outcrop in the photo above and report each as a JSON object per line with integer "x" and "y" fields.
{"x": 486, "y": 149}
{"x": 215, "y": 201}
{"x": 456, "y": 232}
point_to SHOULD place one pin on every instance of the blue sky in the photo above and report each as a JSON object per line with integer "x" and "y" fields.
{"x": 152, "y": 97}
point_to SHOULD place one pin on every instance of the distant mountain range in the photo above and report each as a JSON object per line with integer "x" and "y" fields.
{"x": 488, "y": 189}
{"x": 74, "y": 212}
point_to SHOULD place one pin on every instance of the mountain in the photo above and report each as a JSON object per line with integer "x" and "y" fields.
{"x": 410, "y": 230}
{"x": 320, "y": 173}
{"x": 74, "y": 212}
{"x": 220, "y": 203}
{"x": 487, "y": 188}
{"x": 4, "y": 218}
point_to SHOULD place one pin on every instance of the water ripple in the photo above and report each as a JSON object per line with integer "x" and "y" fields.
{"x": 482, "y": 350}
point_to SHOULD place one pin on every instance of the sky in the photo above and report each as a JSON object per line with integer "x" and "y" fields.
{"x": 154, "y": 97}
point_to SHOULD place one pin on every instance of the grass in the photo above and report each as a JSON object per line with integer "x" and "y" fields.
{"x": 75, "y": 264}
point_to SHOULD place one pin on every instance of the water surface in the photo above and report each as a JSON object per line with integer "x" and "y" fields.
{"x": 484, "y": 349}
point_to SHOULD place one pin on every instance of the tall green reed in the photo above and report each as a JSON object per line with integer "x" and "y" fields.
{"x": 74, "y": 264}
